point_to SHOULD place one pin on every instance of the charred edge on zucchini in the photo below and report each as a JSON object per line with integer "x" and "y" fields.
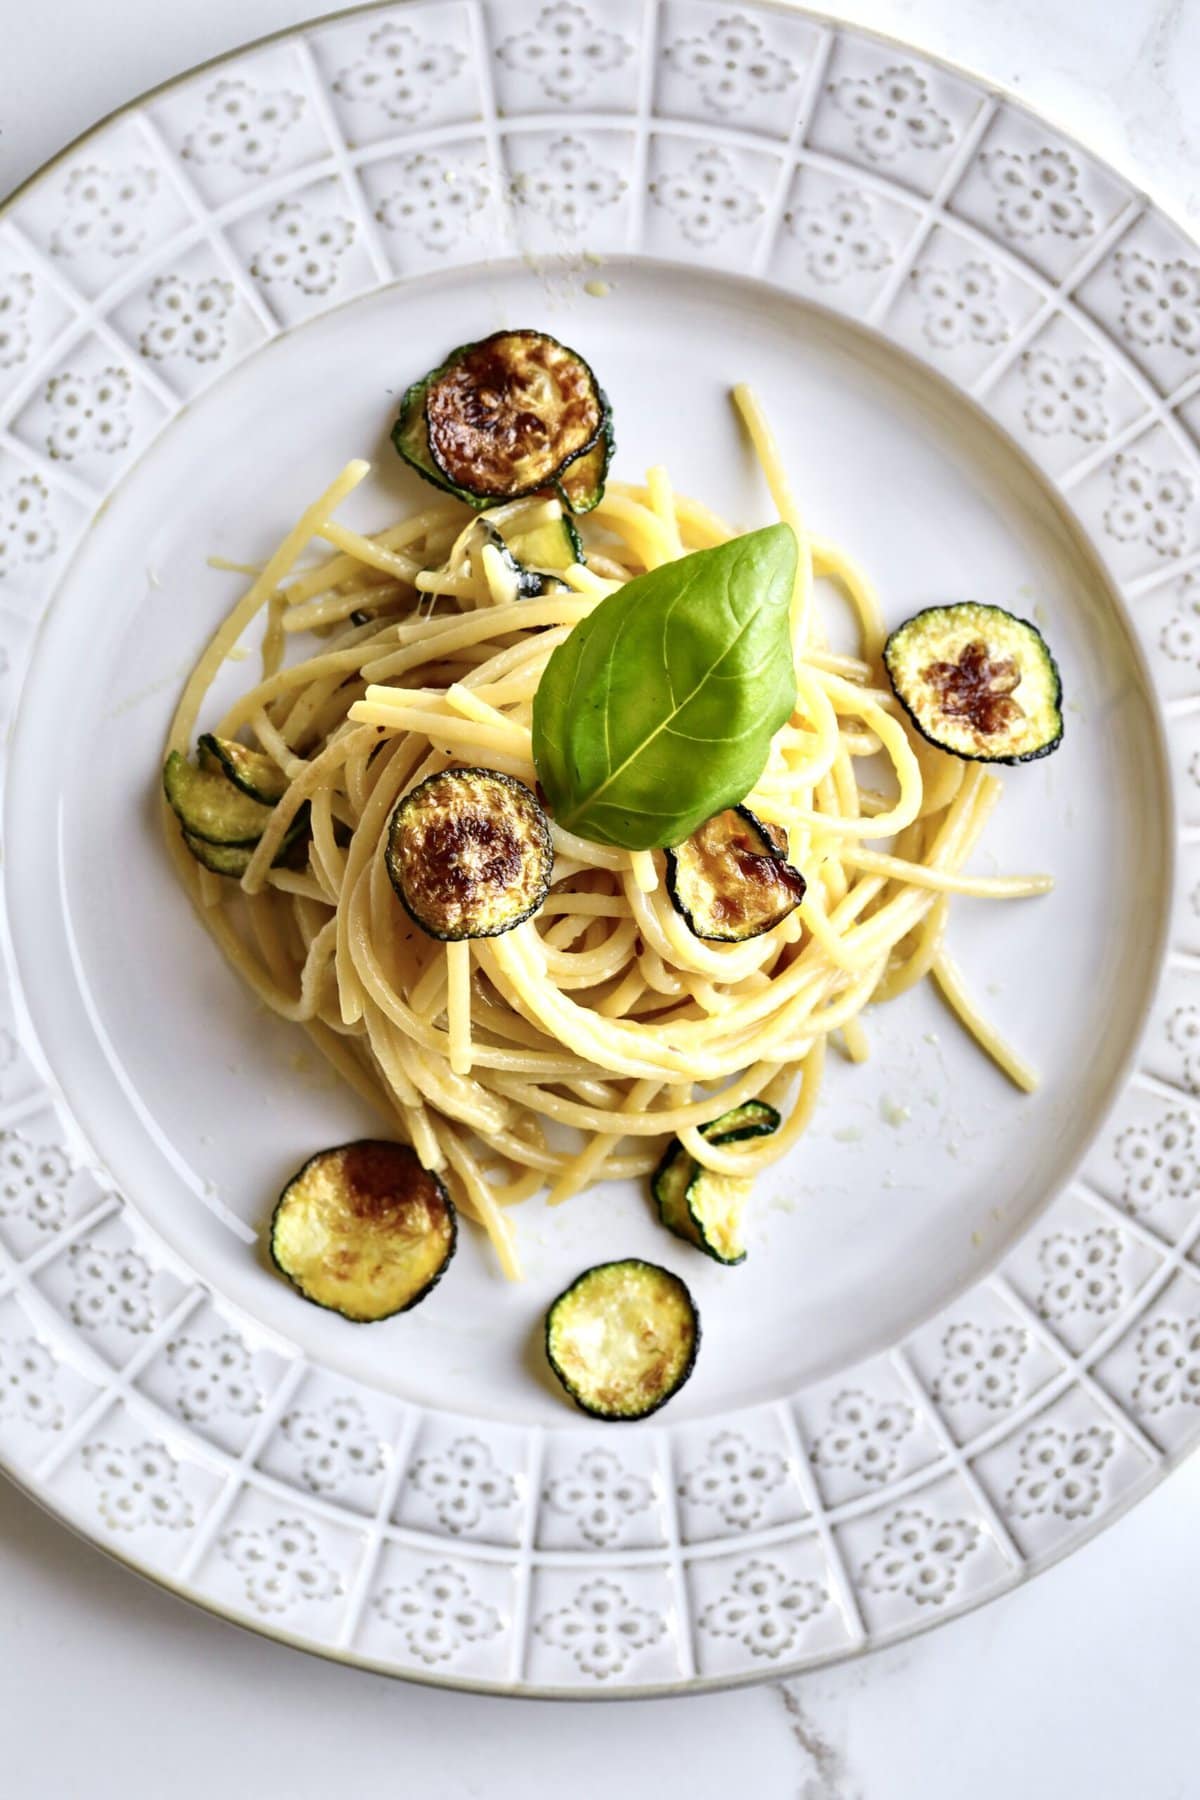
{"x": 581, "y": 485}
{"x": 622, "y": 1339}
{"x": 469, "y": 853}
{"x": 364, "y": 1230}
{"x": 531, "y": 583}
{"x": 731, "y": 880}
{"x": 500, "y": 418}
{"x": 978, "y": 682}
{"x": 252, "y": 771}
{"x": 699, "y": 1205}
{"x": 209, "y": 806}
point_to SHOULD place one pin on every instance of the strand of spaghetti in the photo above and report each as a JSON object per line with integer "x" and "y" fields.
{"x": 858, "y": 1047}
{"x": 483, "y": 1202}
{"x": 458, "y": 1005}
{"x": 641, "y": 529}
{"x": 704, "y": 528}
{"x": 583, "y": 1167}
{"x": 183, "y": 723}
{"x": 829, "y": 560}
{"x": 367, "y": 550}
{"x": 662, "y": 505}
{"x": 919, "y": 962}
{"x": 305, "y": 784}
{"x": 982, "y": 887}
{"x": 780, "y": 488}
{"x": 949, "y": 979}
{"x": 746, "y": 1159}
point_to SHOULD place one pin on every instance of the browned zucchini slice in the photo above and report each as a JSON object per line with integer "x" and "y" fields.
{"x": 208, "y": 805}
{"x": 469, "y": 853}
{"x": 701, "y": 1206}
{"x": 731, "y": 879}
{"x": 623, "y": 1338}
{"x": 364, "y": 1230}
{"x": 505, "y": 415}
{"x": 252, "y": 771}
{"x": 977, "y": 682}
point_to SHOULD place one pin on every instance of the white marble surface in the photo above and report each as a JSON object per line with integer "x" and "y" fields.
{"x": 1081, "y": 1684}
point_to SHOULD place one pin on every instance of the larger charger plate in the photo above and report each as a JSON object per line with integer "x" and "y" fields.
{"x": 968, "y": 1332}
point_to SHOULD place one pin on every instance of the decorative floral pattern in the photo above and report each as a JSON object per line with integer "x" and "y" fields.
{"x": 601, "y": 1628}
{"x": 568, "y": 186}
{"x": 26, "y": 534}
{"x": 28, "y": 1374}
{"x": 88, "y": 413}
{"x": 213, "y": 1376}
{"x": 1180, "y": 640}
{"x": 334, "y": 1443}
{"x": 1060, "y": 1471}
{"x": 839, "y": 237}
{"x": 112, "y": 1287}
{"x": 922, "y": 1557}
{"x": 1037, "y": 193}
{"x": 981, "y": 1366}
{"x": 438, "y": 1614}
{"x": 33, "y": 1182}
{"x": 400, "y": 73}
{"x": 1149, "y": 506}
{"x": 1183, "y": 1026}
{"x": 1168, "y": 1352}
{"x": 1159, "y": 1161}
{"x": 1082, "y": 1273}
{"x": 765, "y": 1609}
{"x": 731, "y": 65}
{"x": 565, "y": 50}
{"x": 432, "y": 200}
{"x": 734, "y": 1478}
{"x": 101, "y": 211}
{"x": 281, "y": 1565}
{"x": 463, "y": 1482}
{"x": 891, "y": 112}
{"x": 243, "y": 127}
{"x": 1065, "y": 394}
{"x": 706, "y": 198}
{"x": 303, "y": 248}
{"x": 600, "y": 1496}
{"x": 16, "y": 297}
{"x": 1162, "y": 304}
{"x": 960, "y": 305}
{"x": 188, "y": 319}
{"x": 864, "y": 1434}
{"x": 138, "y": 1487}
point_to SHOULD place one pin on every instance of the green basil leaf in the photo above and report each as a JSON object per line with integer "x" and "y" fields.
{"x": 659, "y": 709}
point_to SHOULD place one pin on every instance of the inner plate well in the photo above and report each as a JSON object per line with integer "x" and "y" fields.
{"x": 921, "y": 1166}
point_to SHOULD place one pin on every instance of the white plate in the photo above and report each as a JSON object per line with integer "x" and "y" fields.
{"x": 974, "y": 1319}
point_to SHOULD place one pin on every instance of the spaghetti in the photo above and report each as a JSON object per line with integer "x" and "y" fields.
{"x": 565, "y": 1050}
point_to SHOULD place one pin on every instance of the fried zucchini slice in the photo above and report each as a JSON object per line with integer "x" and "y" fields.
{"x": 707, "y": 1209}
{"x": 501, "y": 417}
{"x": 252, "y": 771}
{"x": 531, "y": 584}
{"x": 469, "y": 853}
{"x": 551, "y": 547}
{"x": 581, "y": 485}
{"x": 731, "y": 879}
{"x": 364, "y": 1230}
{"x": 209, "y": 806}
{"x": 977, "y": 682}
{"x": 623, "y": 1338}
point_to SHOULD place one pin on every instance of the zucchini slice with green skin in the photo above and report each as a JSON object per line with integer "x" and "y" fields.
{"x": 531, "y": 583}
{"x": 364, "y": 1230}
{"x": 551, "y": 547}
{"x": 977, "y": 682}
{"x": 234, "y": 859}
{"x": 254, "y": 772}
{"x": 731, "y": 879}
{"x": 469, "y": 853}
{"x": 501, "y": 417}
{"x": 623, "y": 1338}
{"x": 581, "y": 485}
{"x": 699, "y": 1205}
{"x": 209, "y": 806}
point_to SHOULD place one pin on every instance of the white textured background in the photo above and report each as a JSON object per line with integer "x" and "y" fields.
{"x": 1082, "y": 1685}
